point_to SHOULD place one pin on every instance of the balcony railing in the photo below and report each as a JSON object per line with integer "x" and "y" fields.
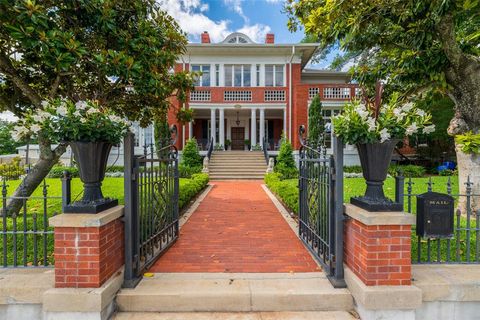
{"x": 271, "y": 94}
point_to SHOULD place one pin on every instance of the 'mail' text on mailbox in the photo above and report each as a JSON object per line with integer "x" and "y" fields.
{"x": 435, "y": 215}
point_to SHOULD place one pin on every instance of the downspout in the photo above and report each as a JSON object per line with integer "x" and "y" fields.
{"x": 290, "y": 95}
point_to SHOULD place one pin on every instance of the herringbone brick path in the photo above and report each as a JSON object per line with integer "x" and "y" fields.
{"x": 236, "y": 228}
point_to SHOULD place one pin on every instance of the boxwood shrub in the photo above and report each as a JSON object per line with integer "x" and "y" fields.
{"x": 286, "y": 190}
{"x": 190, "y": 187}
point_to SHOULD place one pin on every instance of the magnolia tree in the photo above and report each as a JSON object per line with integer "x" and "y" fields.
{"x": 416, "y": 46}
{"x": 118, "y": 53}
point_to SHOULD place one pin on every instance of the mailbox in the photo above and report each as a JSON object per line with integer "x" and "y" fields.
{"x": 435, "y": 215}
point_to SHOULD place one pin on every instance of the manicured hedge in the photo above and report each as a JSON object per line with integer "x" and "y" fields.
{"x": 185, "y": 171}
{"x": 286, "y": 190}
{"x": 189, "y": 188}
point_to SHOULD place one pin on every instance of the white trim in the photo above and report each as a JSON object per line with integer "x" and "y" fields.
{"x": 247, "y": 105}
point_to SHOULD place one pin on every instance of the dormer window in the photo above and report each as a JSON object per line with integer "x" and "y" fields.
{"x": 237, "y": 37}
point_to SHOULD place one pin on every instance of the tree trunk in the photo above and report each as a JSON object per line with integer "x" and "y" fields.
{"x": 463, "y": 75}
{"x": 468, "y": 171}
{"x": 32, "y": 180}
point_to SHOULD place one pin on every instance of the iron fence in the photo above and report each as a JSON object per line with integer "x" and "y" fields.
{"x": 151, "y": 205}
{"x": 26, "y": 238}
{"x": 464, "y": 246}
{"x": 321, "y": 206}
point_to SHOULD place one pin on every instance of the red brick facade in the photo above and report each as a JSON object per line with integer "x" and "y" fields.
{"x": 88, "y": 257}
{"x": 378, "y": 255}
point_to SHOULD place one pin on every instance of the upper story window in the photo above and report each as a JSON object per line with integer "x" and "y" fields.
{"x": 217, "y": 75}
{"x": 238, "y": 75}
{"x": 204, "y": 79}
{"x": 257, "y": 69}
{"x": 274, "y": 75}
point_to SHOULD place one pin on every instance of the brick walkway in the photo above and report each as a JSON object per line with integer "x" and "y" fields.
{"x": 236, "y": 228}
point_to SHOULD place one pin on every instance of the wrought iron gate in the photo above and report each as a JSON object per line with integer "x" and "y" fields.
{"x": 151, "y": 205}
{"x": 321, "y": 205}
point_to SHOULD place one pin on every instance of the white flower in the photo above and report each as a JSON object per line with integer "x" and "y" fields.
{"x": 411, "y": 129}
{"x": 371, "y": 124}
{"x": 429, "y": 129}
{"x": 81, "y": 105}
{"x": 77, "y": 113}
{"x": 37, "y": 118}
{"x": 384, "y": 135}
{"x": 407, "y": 106}
{"x": 420, "y": 112}
{"x": 83, "y": 120}
{"x": 92, "y": 110}
{"x": 35, "y": 128}
{"x": 16, "y": 137}
{"x": 44, "y": 115}
{"x": 62, "y": 110}
{"x": 361, "y": 110}
{"x": 398, "y": 113}
{"x": 45, "y": 103}
{"x": 115, "y": 118}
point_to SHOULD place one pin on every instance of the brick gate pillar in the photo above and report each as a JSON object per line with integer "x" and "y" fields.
{"x": 378, "y": 246}
{"x": 89, "y": 248}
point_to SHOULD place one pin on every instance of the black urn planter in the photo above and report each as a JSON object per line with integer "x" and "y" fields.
{"x": 375, "y": 159}
{"x": 91, "y": 158}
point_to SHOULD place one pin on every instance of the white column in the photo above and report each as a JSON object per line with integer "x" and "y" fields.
{"x": 190, "y": 130}
{"x": 253, "y": 131}
{"x": 213, "y": 128}
{"x": 262, "y": 125}
{"x": 221, "y": 127}
{"x": 285, "y": 121}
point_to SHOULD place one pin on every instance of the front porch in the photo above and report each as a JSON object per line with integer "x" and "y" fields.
{"x": 232, "y": 128}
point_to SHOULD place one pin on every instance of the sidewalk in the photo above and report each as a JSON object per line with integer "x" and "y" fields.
{"x": 236, "y": 228}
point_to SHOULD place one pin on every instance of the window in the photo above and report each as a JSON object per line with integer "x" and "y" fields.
{"x": 204, "y": 79}
{"x": 237, "y": 75}
{"x": 258, "y": 75}
{"x": 217, "y": 75}
{"x": 274, "y": 75}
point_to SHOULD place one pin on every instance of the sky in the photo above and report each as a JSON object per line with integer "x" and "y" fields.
{"x": 255, "y": 18}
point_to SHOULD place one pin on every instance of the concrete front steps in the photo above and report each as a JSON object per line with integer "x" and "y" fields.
{"x": 235, "y": 292}
{"x": 237, "y": 165}
{"x": 305, "y": 315}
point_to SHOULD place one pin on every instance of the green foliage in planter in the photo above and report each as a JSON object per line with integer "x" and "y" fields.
{"x": 190, "y": 187}
{"x": 410, "y": 170}
{"x": 448, "y": 172}
{"x": 256, "y": 147}
{"x": 316, "y": 125}
{"x": 285, "y": 165}
{"x": 468, "y": 142}
{"x": 191, "y": 156}
{"x": 286, "y": 190}
{"x": 218, "y": 147}
{"x": 185, "y": 115}
{"x": 186, "y": 172}
{"x": 57, "y": 171}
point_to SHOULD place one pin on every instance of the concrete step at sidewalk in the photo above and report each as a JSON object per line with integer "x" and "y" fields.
{"x": 239, "y": 169}
{"x": 306, "y": 315}
{"x": 230, "y": 292}
{"x": 236, "y": 177}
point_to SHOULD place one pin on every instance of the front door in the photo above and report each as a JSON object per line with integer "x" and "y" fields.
{"x": 238, "y": 138}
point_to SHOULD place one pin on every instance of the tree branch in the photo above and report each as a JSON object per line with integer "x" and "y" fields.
{"x": 446, "y": 36}
{"x": 7, "y": 68}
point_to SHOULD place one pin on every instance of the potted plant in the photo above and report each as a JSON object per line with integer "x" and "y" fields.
{"x": 228, "y": 143}
{"x": 247, "y": 143}
{"x": 375, "y": 129}
{"x": 91, "y": 131}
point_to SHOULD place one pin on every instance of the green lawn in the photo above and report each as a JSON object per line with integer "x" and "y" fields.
{"x": 287, "y": 190}
{"x": 39, "y": 210}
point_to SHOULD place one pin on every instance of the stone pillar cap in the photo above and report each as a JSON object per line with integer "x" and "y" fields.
{"x": 85, "y": 220}
{"x": 378, "y": 218}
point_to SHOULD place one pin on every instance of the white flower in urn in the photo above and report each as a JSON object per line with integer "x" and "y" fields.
{"x": 35, "y": 128}
{"x": 398, "y": 113}
{"x": 77, "y": 113}
{"x": 429, "y": 129}
{"x": 62, "y": 110}
{"x": 384, "y": 135}
{"x": 407, "y": 106}
{"x": 81, "y": 105}
{"x": 371, "y": 124}
{"x": 411, "y": 129}
{"x": 362, "y": 111}
{"x": 421, "y": 113}
{"x": 92, "y": 111}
